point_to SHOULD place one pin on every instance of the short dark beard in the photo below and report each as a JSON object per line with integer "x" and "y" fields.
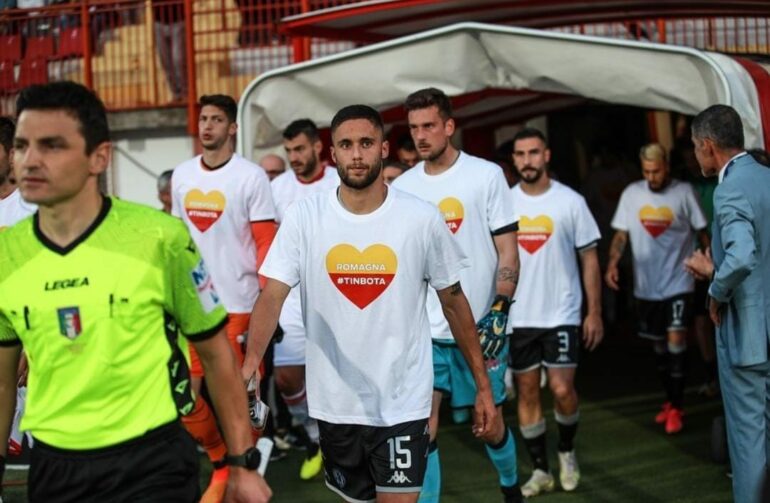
{"x": 370, "y": 177}
{"x": 309, "y": 168}
{"x": 533, "y": 180}
{"x": 433, "y": 157}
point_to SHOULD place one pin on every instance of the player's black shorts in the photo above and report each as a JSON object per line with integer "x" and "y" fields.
{"x": 551, "y": 347}
{"x": 360, "y": 461}
{"x": 700, "y": 298}
{"x": 160, "y": 466}
{"x": 656, "y": 318}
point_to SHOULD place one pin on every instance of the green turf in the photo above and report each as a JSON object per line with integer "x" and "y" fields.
{"x": 623, "y": 455}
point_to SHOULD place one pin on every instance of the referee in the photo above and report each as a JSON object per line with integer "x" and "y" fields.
{"x": 96, "y": 290}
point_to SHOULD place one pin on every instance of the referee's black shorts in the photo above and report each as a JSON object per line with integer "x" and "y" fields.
{"x": 160, "y": 466}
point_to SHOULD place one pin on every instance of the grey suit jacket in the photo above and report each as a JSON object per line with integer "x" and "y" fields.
{"x": 741, "y": 252}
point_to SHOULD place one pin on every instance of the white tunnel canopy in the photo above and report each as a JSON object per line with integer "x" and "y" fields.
{"x": 470, "y": 57}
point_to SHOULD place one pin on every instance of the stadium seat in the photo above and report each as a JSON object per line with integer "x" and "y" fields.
{"x": 39, "y": 48}
{"x": 33, "y": 71}
{"x": 70, "y": 43}
{"x": 10, "y": 47}
{"x": 7, "y": 78}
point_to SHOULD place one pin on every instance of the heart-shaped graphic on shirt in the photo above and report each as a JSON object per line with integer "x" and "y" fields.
{"x": 361, "y": 276}
{"x": 656, "y": 220}
{"x": 534, "y": 232}
{"x": 453, "y": 212}
{"x": 202, "y": 209}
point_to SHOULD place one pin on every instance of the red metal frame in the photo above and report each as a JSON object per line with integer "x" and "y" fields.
{"x": 762, "y": 82}
{"x": 534, "y": 13}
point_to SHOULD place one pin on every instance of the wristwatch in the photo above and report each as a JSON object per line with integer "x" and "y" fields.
{"x": 249, "y": 459}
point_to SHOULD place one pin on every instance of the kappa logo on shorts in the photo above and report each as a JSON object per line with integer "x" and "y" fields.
{"x": 361, "y": 276}
{"x": 398, "y": 477}
{"x": 534, "y": 232}
{"x": 453, "y": 212}
{"x": 204, "y": 209}
{"x": 656, "y": 220}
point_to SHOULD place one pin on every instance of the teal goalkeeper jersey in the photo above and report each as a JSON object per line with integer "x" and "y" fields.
{"x": 99, "y": 319}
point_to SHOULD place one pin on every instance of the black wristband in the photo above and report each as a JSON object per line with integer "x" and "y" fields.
{"x": 501, "y": 303}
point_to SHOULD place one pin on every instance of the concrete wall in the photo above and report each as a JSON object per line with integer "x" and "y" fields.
{"x": 139, "y": 157}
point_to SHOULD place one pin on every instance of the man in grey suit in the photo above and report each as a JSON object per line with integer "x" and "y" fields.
{"x": 739, "y": 302}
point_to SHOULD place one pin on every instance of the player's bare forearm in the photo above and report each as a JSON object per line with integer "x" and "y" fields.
{"x": 223, "y": 378}
{"x": 617, "y": 247}
{"x": 264, "y": 320}
{"x": 458, "y": 314}
{"x": 507, "y": 264}
{"x": 592, "y": 281}
{"x": 9, "y": 360}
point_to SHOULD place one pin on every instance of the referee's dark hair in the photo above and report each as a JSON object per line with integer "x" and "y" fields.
{"x": 300, "y": 126}
{"x": 7, "y": 130}
{"x": 223, "y": 102}
{"x": 75, "y": 100}
{"x": 352, "y": 112}
{"x": 430, "y": 97}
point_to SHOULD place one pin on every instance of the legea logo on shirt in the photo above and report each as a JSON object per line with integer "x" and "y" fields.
{"x": 534, "y": 232}
{"x": 656, "y": 220}
{"x": 453, "y": 212}
{"x": 361, "y": 276}
{"x": 204, "y": 209}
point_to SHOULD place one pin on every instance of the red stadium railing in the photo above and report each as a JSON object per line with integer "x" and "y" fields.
{"x": 141, "y": 54}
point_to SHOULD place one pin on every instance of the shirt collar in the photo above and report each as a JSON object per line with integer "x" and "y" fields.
{"x": 723, "y": 171}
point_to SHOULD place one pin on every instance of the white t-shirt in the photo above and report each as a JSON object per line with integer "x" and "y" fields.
{"x": 13, "y": 208}
{"x": 661, "y": 228}
{"x": 473, "y": 197}
{"x": 553, "y": 226}
{"x": 363, "y": 281}
{"x": 287, "y": 189}
{"x": 218, "y": 208}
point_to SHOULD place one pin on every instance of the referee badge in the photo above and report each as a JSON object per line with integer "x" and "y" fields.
{"x": 70, "y": 325}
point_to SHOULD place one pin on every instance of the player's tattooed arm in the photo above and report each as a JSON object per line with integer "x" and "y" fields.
{"x": 617, "y": 247}
{"x": 508, "y": 264}
{"x": 456, "y": 289}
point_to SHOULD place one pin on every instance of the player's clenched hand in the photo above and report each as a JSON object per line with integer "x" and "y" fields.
{"x": 491, "y": 328}
{"x": 612, "y": 276}
{"x": 250, "y": 370}
{"x": 246, "y": 486}
{"x": 593, "y": 331}
{"x": 485, "y": 413}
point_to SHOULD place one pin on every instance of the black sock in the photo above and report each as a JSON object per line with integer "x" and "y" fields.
{"x": 512, "y": 494}
{"x": 677, "y": 378}
{"x": 536, "y": 449}
{"x": 567, "y": 432}
{"x": 661, "y": 366}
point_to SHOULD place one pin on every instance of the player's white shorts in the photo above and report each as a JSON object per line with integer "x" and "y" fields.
{"x": 291, "y": 349}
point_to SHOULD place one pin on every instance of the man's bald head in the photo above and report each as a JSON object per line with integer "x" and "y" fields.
{"x": 273, "y": 165}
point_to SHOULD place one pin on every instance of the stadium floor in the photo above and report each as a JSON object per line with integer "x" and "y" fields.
{"x": 623, "y": 455}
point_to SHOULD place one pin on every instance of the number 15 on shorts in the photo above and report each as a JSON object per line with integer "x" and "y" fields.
{"x": 400, "y": 457}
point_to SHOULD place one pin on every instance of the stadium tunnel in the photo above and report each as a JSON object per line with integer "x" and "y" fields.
{"x": 498, "y": 76}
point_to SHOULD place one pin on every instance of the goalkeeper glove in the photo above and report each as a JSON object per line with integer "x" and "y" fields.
{"x": 491, "y": 328}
